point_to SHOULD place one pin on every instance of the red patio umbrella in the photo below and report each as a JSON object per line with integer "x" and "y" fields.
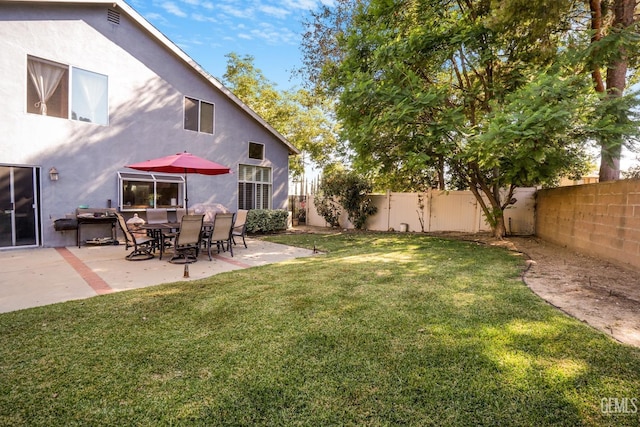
{"x": 184, "y": 163}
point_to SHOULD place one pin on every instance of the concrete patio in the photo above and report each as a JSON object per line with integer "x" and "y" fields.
{"x": 41, "y": 276}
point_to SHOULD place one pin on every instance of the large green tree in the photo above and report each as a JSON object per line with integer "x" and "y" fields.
{"x": 611, "y": 29}
{"x": 468, "y": 88}
{"x": 298, "y": 116}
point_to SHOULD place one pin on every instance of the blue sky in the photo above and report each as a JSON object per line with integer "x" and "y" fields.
{"x": 207, "y": 30}
{"x": 269, "y": 30}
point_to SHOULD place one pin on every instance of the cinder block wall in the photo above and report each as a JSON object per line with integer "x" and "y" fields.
{"x": 602, "y": 220}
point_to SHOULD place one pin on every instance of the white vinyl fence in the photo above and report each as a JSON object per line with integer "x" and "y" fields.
{"x": 437, "y": 210}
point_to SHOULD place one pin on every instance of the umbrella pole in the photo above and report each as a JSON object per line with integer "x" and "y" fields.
{"x": 186, "y": 194}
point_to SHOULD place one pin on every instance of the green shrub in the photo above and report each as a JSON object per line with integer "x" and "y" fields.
{"x": 266, "y": 220}
{"x": 327, "y": 208}
{"x": 346, "y": 189}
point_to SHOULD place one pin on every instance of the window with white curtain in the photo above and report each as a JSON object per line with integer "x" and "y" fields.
{"x": 254, "y": 187}
{"x": 47, "y": 88}
{"x": 58, "y": 90}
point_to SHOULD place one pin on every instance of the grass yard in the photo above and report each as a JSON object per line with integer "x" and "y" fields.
{"x": 383, "y": 329}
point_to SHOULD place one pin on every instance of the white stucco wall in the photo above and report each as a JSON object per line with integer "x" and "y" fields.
{"x": 147, "y": 84}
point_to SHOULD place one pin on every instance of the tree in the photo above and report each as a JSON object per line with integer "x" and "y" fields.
{"x": 444, "y": 85}
{"x": 303, "y": 120}
{"x": 634, "y": 171}
{"x": 614, "y": 47}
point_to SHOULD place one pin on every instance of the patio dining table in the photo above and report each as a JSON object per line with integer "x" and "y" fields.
{"x": 156, "y": 231}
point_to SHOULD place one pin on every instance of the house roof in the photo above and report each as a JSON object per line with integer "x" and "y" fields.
{"x": 164, "y": 40}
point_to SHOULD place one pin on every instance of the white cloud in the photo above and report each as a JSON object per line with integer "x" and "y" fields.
{"x": 196, "y": 41}
{"x": 277, "y": 12}
{"x": 301, "y": 4}
{"x": 173, "y": 9}
{"x": 245, "y": 36}
{"x": 203, "y": 18}
{"x": 156, "y": 17}
{"x": 199, "y": 4}
{"x": 274, "y": 35}
{"x": 235, "y": 12}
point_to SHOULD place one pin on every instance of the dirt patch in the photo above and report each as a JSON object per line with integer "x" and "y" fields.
{"x": 599, "y": 293}
{"x": 604, "y": 295}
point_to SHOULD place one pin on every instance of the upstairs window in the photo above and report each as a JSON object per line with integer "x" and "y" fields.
{"x": 256, "y": 151}
{"x": 47, "y": 88}
{"x": 89, "y": 100}
{"x": 58, "y": 90}
{"x": 198, "y": 115}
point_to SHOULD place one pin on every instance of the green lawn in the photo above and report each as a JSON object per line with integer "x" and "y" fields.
{"x": 383, "y": 329}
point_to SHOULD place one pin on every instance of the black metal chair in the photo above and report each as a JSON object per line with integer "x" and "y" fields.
{"x": 142, "y": 246}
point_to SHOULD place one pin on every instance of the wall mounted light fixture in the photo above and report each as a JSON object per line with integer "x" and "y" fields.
{"x": 53, "y": 174}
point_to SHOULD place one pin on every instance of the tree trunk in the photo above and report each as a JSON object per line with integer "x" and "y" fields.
{"x": 492, "y": 211}
{"x": 441, "y": 180}
{"x": 623, "y": 17}
{"x": 596, "y": 28}
{"x": 500, "y": 229}
{"x": 610, "y": 163}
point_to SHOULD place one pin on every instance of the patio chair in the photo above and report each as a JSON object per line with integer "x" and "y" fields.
{"x": 240, "y": 226}
{"x": 163, "y": 238}
{"x": 187, "y": 240}
{"x": 220, "y": 233}
{"x": 180, "y": 212}
{"x": 157, "y": 216}
{"x": 142, "y": 245}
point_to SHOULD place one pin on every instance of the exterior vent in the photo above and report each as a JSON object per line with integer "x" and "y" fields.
{"x": 113, "y": 16}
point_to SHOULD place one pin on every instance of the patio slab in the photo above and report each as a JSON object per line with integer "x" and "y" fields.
{"x": 41, "y": 276}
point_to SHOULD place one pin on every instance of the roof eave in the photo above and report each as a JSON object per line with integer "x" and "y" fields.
{"x": 133, "y": 14}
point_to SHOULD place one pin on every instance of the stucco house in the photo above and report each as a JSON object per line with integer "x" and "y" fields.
{"x": 89, "y": 87}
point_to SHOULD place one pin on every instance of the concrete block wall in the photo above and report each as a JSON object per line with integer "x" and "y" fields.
{"x": 601, "y": 220}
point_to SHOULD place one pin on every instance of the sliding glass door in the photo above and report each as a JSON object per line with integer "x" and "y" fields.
{"x": 18, "y": 206}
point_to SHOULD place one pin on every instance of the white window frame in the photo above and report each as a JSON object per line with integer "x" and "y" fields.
{"x": 153, "y": 178}
{"x": 259, "y": 179}
{"x": 101, "y": 107}
{"x": 198, "y": 126}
